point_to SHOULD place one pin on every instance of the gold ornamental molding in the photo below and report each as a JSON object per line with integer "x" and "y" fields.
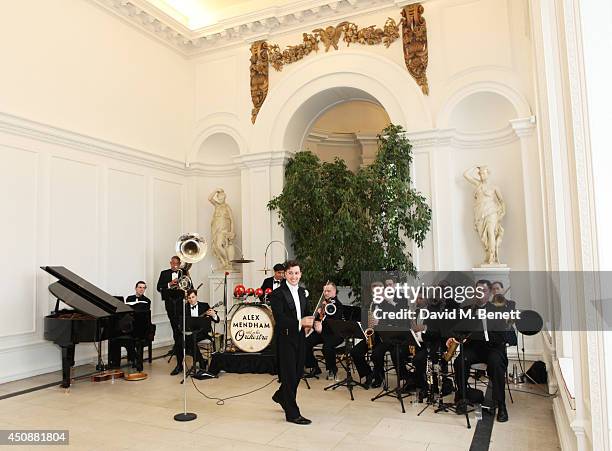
{"x": 414, "y": 38}
{"x": 259, "y": 76}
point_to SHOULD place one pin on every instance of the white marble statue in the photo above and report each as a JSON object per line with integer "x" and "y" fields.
{"x": 489, "y": 209}
{"x": 222, "y": 230}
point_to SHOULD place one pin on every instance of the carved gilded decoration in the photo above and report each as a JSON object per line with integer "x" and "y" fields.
{"x": 414, "y": 37}
{"x": 259, "y": 76}
{"x": 330, "y": 37}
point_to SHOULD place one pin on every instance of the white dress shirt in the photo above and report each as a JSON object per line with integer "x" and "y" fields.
{"x": 275, "y": 284}
{"x": 194, "y": 310}
{"x": 296, "y": 300}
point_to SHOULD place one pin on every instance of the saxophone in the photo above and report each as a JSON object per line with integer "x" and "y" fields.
{"x": 369, "y": 332}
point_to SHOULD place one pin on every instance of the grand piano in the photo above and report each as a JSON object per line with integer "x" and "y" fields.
{"x": 95, "y": 316}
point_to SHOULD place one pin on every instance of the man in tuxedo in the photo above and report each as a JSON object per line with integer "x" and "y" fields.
{"x": 139, "y": 302}
{"x": 141, "y": 325}
{"x": 290, "y": 309}
{"x": 486, "y": 344}
{"x": 323, "y": 334}
{"x": 194, "y": 309}
{"x": 173, "y": 298}
{"x": 275, "y": 281}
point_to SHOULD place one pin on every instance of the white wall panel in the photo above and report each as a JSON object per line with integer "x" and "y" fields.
{"x": 167, "y": 227}
{"x": 424, "y": 257}
{"x": 18, "y": 240}
{"x": 127, "y": 231}
{"x": 74, "y": 217}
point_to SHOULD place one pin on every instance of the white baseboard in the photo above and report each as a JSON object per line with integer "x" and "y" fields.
{"x": 43, "y": 353}
{"x": 567, "y": 439}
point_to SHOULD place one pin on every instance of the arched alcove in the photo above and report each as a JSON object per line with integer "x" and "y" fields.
{"x": 326, "y": 80}
{"x": 482, "y": 111}
{"x": 218, "y": 148}
{"x": 347, "y": 130}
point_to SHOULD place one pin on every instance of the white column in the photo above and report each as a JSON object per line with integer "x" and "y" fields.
{"x": 262, "y": 178}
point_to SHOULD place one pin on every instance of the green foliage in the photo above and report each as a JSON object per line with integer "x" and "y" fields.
{"x": 344, "y": 223}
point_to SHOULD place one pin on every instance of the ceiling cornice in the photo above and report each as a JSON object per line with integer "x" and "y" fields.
{"x": 250, "y": 27}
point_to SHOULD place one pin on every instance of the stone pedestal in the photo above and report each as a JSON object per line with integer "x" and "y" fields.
{"x": 215, "y": 285}
{"x": 494, "y": 273}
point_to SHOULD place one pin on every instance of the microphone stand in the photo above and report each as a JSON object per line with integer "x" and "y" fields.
{"x": 184, "y": 415}
{"x": 225, "y": 274}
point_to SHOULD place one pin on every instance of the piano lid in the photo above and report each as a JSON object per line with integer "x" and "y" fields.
{"x": 82, "y": 295}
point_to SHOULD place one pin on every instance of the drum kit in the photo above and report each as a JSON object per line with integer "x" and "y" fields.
{"x": 250, "y": 324}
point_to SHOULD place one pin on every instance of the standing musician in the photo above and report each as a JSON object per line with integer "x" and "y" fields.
{"x": 193, "y": 309}
{"x": 290, "y": 309}
{"x": 323, "y": 334}
{"x": 173, "y": 298}
{"x": 483, "y": 346}
{"x": 275, "y": 281}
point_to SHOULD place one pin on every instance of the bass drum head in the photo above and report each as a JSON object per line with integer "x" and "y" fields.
{"x": 251, "y": 328}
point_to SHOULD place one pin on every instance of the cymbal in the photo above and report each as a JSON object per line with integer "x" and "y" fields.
{"x": 242, "y": 260}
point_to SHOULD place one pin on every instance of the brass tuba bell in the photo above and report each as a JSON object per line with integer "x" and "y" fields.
{"x": 190, "y": 248}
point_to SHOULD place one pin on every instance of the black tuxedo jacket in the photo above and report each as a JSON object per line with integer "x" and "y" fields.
{"x": 285, "y": 316}
{"x": 201, "y": 307}
{"x": 168, "y": 294}
{"x": 268, "y": 283}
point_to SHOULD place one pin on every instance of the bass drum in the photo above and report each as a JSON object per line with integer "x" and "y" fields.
{"x": 251, "y": 327}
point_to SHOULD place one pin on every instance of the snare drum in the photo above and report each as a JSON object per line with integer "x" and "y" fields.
{"x": 251, "y": 327}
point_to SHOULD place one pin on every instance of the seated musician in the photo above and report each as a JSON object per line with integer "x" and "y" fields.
{"x": 360, "y": 350}
{"x": 390, "y": 304}
{"x": 275, "y": 281}
{"x": 483, "y": 345}
{"x": 498, "y": 289}
{"x": 194, "y": 309}
{"x": 427, "y": 332}
{"x": 142, "y": 321}
{"x": 322, "y": 333}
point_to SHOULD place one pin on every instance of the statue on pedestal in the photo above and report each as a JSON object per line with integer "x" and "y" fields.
{"x": 489, "y": 209}
{"x": 222, "y": 230}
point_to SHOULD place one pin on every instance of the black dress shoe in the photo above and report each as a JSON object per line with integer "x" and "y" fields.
{"x": 175, "y": 371}
{"x": 502, "y": 413}
{"x": 299, "y": 420}
{"x": 376, "y": 382}
{"x": 368, "y": 381}
{"x": 277, "y": 399}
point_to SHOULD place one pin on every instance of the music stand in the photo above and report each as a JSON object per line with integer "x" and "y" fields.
{"x": 397, "y": 338}
{"x": 195, "y": 326}
{"x": 348, "y": 331}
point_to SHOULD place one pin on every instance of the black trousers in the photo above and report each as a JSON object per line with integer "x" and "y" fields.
{"x": 290, "y": 371}
{"x": 494, "y": 355}
{"x": 419, "y": 361}
{"x": 358, "y": 354}
{"x": 114, "y": 350}
{"x": 330, "y": 342}
{"x": 378, "y": 359}
{"x": 191, "y": 348}
{"x": 173, "y": 307}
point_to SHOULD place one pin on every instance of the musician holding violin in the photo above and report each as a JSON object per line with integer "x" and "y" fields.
{"x": 322, "y": 333}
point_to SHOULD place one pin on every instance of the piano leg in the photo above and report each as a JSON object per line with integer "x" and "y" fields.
{"x": 67, "y": 364}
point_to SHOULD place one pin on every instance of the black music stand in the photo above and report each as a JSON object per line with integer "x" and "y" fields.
{"x": 348, "y": 331}
{"x": 197, "y": 325}
{"x": 398, "y": 339}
